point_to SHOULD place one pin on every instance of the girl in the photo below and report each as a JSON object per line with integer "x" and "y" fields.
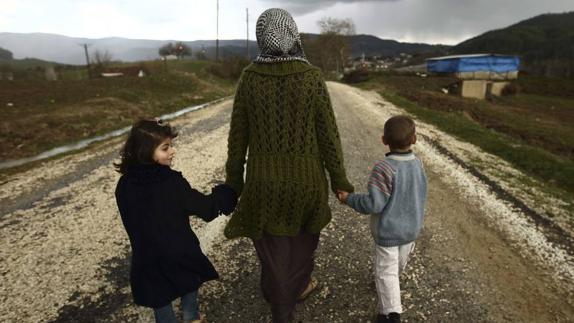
{"x": 154, "y": 203}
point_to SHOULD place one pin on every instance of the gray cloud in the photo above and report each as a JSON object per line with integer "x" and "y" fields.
{"x": 301, "y": 7}
{"x": 436, "y": 21}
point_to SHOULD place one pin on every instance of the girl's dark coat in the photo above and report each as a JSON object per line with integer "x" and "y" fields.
{"x": 167, "y": 262}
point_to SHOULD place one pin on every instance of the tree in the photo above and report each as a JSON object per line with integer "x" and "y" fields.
{"x": 202, "y": 54}
{"x": 178, "y": 49}
{"x": 5, "y": 54}
{"x": 102, "y": 59}
{"x": 331, "y": 48}
{"x": 181, "y": 50}
{"x": 334, "y": 26}
{"x": 166, "y": 50}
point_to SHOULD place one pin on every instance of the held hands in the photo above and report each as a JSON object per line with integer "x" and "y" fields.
{"x": 342, "y": 196}
{"x": 226, "y": 198}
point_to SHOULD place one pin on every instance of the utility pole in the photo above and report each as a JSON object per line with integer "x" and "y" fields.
{"x": 217, "y": 35}
{"x": 247, "y": 43}
{"x": 87, "y": 59}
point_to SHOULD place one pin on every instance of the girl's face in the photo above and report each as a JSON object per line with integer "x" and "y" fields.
{"x": 164, "y": 153}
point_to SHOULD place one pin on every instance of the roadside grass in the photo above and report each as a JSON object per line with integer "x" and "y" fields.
{"x": 39, "y": 115}
{"x": 555, "y": 170}
{"x": 543, "y": 122}
{"x": 530, "y": 117}
{"x": 548, "y": 87}
{"x": 6, "y": 174}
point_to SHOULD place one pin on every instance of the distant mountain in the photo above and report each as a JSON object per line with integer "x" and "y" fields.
{"x": 545, "y": 44}
{"x": 69, "y": 50}
{"x": 374, "y": 46}
{"x": 371, "y": 46}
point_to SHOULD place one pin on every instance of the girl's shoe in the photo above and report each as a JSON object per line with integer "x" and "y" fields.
{"x": 310, "y": 288}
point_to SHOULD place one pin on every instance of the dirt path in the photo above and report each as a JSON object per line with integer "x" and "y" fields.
{"x": 64, "y": 255}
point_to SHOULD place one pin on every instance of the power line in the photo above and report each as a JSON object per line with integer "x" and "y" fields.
{"x": 217, "y": 35}
{"x": 247, "y": 42}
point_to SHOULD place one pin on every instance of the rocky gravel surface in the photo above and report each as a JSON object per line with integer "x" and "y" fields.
{"x": 64, "y": 256}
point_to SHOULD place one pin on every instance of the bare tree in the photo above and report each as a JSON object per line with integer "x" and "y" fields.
{"x": 166, "y": 50}
{"x": 102, "y": 58}
{"x": 343, "y": 27}
{"x": 181, "y": 50}
{"x": 202, "y": 54}
{"x": 178, "y": 49}
{"x": 331, "y": 48}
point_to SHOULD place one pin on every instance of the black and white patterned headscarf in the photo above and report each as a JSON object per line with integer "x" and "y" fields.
{"x": 278, "y": 38}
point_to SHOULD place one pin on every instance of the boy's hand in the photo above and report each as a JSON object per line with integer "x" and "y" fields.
{"x": 342, "y": 196}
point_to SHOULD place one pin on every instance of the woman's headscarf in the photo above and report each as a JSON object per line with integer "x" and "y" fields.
{"x": 278, "y": 38}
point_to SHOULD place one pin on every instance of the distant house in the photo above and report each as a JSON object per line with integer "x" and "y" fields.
{"x": 372, "y": 63}
{"x": 482, "y": 74}
{"x": 124, "y": 71}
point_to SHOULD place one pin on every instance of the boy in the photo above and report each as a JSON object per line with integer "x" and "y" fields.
{"x": 396, "y": 201}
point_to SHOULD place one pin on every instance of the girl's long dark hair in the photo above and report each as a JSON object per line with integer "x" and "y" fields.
{"x": 144, "y": 137}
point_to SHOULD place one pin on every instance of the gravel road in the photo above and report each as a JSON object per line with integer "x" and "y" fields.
{"x": 490, "y": 250}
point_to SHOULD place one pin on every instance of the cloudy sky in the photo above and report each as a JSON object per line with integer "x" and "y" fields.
{"x": 429, "y": 21}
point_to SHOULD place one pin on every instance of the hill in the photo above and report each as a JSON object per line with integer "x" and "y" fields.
{"x": 38, "y": 115}
{"x": 545, "y": 44}
{"x": 68, "y": 50}
{"x": 371, "y": 45}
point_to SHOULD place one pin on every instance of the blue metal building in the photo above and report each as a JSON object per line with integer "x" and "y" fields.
{"x": 473, "y": 63}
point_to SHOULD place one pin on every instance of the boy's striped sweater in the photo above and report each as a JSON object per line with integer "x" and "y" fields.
{"x": 396, "y": 199}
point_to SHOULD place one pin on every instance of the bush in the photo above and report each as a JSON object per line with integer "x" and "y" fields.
{"x": 511, "y": 89}
{"x": 230, "y": 68}
{"x": 357, "y": 76}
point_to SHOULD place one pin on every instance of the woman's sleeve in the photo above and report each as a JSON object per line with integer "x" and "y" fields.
{"x": 329, "y": 140}
{"x": 238, "y": 140}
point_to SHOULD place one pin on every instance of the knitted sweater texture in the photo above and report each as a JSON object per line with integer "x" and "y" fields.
{"x": 283, "y": 120}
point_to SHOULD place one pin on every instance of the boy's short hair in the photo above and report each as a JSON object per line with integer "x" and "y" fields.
{"x": 399, "y": 132}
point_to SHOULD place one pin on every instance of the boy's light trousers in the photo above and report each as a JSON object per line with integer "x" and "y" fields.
{"x": 389, "y": 263}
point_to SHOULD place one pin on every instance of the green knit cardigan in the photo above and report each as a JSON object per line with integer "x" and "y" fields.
{"x": 282, "y": 115}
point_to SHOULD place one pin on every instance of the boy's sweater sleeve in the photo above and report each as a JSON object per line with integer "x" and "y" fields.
{"x": 330, "y": 141}
{"x": 380, "y": 187}
{"x": 238, "y": 140}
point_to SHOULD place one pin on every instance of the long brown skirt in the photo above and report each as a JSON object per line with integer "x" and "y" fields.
{"x": 286, "y": 267}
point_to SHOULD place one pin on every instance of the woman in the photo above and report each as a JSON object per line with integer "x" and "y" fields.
{"x": 283, "y": 115}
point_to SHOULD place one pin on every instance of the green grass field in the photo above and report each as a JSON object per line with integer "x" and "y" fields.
{"x": 532, "y": 131}
{"x": 39, "y": 115}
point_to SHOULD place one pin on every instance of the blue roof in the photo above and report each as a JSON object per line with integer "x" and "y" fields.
{"x": 473, "y": 63}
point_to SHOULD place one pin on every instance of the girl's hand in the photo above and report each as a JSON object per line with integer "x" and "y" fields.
{"x": 342, "y": 196}
{"x": 226, "y": 198}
